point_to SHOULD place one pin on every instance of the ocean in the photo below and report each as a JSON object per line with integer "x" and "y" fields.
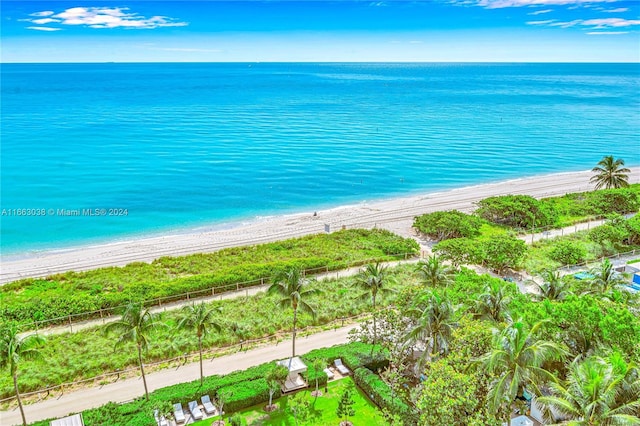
{"x": 99, "y": 152}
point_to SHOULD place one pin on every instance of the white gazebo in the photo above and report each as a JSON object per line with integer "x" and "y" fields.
{"x": 294, "y": 380}
{"x": 521, "y": 421}
{"x": 75, "y": 420}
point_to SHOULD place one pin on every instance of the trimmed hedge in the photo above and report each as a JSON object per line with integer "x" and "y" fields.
{"x": 381, "y": 394}
{"x": 353, "y": 355}
{"x": 245, "y": 394}
{"x": 242, "y": 388}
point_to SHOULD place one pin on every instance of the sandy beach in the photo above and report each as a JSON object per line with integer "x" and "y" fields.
{"x": 393, "y": 214}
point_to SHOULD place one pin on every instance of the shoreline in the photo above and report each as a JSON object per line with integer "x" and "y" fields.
{"x": 394, "y": 214}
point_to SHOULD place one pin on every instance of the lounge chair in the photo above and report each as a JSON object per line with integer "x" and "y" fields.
{"x": 196, "y": 413}
{"x": 178, "y": 414}
{"x": 160, "y": 420}
{"x": 207, "y": 405}
{"x": 341, "y": 368}
{"x": 329, "y": 373}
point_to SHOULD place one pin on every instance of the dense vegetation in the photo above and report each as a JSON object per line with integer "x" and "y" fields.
{"x": 489, "y": 240}
{"x": 88, "y": 353}
{"x": 39, "y": 299}
{"x": 494, "y": 342}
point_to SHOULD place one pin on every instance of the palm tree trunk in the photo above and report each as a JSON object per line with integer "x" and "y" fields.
{"x": 295, "y": 319}
{"x": 15, "y": 386}
{"x": 375, "y": 331}
{"x": 144, "y": 379}
{"x": 200, "y": 349}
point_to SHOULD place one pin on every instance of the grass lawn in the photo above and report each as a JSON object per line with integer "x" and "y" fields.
{"x": 323, "y": 411}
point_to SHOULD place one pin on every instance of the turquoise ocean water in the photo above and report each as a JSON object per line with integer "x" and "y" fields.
{"x": 188, "y": 145}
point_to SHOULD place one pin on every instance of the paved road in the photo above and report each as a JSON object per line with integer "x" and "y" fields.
{"x": 126, "y": 390}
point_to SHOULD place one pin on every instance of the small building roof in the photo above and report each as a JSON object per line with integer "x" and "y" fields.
{"x": 75, "y": 420}
{"x": 295, "y": 365}
{"x": 521, "y": 421}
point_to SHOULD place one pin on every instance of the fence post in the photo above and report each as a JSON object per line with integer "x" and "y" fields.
{"x": 70, "y": 324}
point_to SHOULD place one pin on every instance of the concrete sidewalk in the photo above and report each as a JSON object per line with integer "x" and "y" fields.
{"x": 126, "y": 390}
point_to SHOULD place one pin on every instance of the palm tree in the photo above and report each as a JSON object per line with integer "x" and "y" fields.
{"x": 610, "y": 173}
{"x": 373, "y": 280}
{"x": 291, "y": 286}
{"x": 517, "y": 359}
{"x": 434, "y": 327}
{"x": 201, "y": 319}
{"x": 553, "y": 287}
{"x": 493, "y": 303}
{"x": 135, "y": 325}
{"x": 595, "y": 393}
{"x": 434, "y": 272}
{"x": 606, "y": 278}
{"x": 14, "y": 349}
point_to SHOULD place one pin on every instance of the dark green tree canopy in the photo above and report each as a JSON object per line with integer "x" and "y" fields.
{"x": 521, "y": 211}
{"x": 608, "y": 201}
{"x": 449, "y": 224}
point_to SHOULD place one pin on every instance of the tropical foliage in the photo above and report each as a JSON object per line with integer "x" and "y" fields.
{"x": 135, "y": 326}
{"x": 520, "y": 211}
{"x": 293, "y": 291}
{"x": 373, "y": 280}
{"x": 597, "y": 391}
{"x": 201, "y": 319}
{"x": 15, "y": 348}
{"x": 610, "y": 173}
{"x": 448, "y": 224}
{"x": 74, "y": 293}
{"x": 518, "y": 360}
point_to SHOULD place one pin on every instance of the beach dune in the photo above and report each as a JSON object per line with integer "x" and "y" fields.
{"x": 394, "y": 214}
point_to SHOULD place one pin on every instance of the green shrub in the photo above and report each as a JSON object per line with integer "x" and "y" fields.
{"x": 519, "y": 211}
{"x": 460, "y": 251}
{"x": 504, "y": 251}
{"x": 608, "y": 233}
{"x": 605, "y": 201}
{"x": 567, "y": 252}
{"x": 448, "y": 224}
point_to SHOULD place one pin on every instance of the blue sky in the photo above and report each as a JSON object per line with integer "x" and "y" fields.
{"x": 344, "y": 31}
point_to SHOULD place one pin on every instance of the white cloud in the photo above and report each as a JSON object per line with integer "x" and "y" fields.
{"x": 607, "y": 32}
{"x": 105, "y": 17}
{"x": 566, "y": 24}
{"x": 617, "y": 10}
{"x": 43, "y": 28}
{"x": 594, "y": 24}
{"x": 610, "y": 23}
{"x": 546, "y": 22}
{"x": 540, "y": 12}
{"x": 43, "y": 13}
{"x": 43, "y": 21}
{"x": 498, "y": 4}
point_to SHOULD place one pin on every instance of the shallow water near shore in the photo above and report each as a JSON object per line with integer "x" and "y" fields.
{"x": 137, "y": 149}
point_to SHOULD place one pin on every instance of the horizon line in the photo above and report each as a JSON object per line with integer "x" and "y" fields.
{"x": 325, "y": 62}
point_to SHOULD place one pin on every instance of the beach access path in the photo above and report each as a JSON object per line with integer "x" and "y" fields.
{"x": 393, "y": 214}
